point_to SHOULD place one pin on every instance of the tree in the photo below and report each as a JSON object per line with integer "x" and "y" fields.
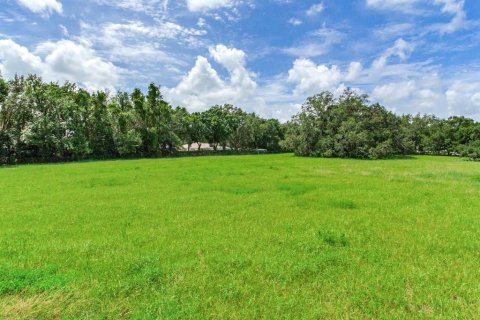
{"x": 127, "y": 138}
{"x": 269, "y": 134}
{"x": 346, "y": 127}
{"x": 471, "y": 150}
{"x": 101, "y": 136}
{"x": 240, "y": 127}
{"x": 5, "y": 115}
{"x": 197, "y": 129}
{"x": 180, "y": 125}
{"x": 217, "y": 124}
{"x": 162, "y": 123}
{"x": 15, "y": 116}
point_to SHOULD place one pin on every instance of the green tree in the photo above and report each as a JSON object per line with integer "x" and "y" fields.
{"x": 197, "y": 128}
{"x": 217, "y": 123}
{"x": 346, "y": 127}
{"x": 101, "y": 135}
{"x": 127, "y": 139}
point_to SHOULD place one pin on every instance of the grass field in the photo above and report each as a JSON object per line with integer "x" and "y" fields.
{"x": 241, "y": 237}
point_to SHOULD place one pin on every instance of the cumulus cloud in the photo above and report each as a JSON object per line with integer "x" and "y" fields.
{"x": 203, "y": 87}
{"x": 44, "y": 7}
{"x": 278, "y": 97}
{"x": 354, "y": 71}
{"x": 447, "y": 96}
{"x": 17, "y": 59}
{"x": 463, "y": 97}
{"x": 59, "y": 61}
{"x": 231, "y": 58}
{"x": 311, "y": 78}
{"x": 395, "y": 92}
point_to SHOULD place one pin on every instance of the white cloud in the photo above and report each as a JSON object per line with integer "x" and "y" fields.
{"x": 395, "y": 92}
{"x": 423, "y": 95}
{"x": 155, "y": 8}
{"x": 401, "y": 49}
{"x": 315, "y": 9}
{"x": 17, "y": 59}
{"x": 455, "y": 8}
{"x": 44, "y": 7}
{"x": 394, "y": 30}
{"x": 310, "y": 78}
{"x": 407, "y": 6}
{"x": 135, "y": 42}
{"x": 115, "y": 32}
{"x": 295, "y": 22}
{"x": 444, "y": 96}
{"x": 203, "y": 87}
{"x": 279, "y": 97}
{"x": 354, "y": 71}
{"x": 59, "y": 61}
{"x": 231, "y": 58}
{"x": 205, "y": 5}
{"x": 321, "y": 42}
{"x": 463, "y": 97}
{"x": 157, "y": 51}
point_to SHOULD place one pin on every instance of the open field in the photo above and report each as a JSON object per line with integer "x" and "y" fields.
{"x": 241, "y": 237}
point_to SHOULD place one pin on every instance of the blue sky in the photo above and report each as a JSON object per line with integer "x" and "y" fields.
{"x": 264, "y": 56}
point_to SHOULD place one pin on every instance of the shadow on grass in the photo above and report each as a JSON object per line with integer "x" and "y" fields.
{"x": 401, "y": 157}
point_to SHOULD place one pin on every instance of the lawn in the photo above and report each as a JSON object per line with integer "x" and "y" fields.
{"x": 241, "y": 237}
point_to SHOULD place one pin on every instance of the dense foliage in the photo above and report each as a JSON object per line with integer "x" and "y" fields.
{"x": 348, "y": 127}
{"x": 44, "y": 122}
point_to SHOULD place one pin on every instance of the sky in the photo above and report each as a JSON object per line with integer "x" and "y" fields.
{"x": 265, "y": 56}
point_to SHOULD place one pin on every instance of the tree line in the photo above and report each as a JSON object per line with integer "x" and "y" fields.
{"x": 348, "y": 127}
{"x": 49, "y": 122}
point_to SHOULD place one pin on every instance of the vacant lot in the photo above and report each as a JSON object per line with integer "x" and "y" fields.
{"x": 244, "y": 237}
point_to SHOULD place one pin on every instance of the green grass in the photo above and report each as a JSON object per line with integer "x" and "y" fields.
{"x": 241, "y": 237}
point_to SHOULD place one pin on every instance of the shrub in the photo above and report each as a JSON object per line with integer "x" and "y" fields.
{"x": 471, "y": 150}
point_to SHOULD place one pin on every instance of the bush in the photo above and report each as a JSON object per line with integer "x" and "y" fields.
{"x": 471, "y": 150}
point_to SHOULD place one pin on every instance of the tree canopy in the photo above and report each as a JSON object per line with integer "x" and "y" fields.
{"x": 46, "y": 122}
{"x": 349, "y": 127}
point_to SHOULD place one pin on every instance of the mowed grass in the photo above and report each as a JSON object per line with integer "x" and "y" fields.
{"x": 241, "y": 237}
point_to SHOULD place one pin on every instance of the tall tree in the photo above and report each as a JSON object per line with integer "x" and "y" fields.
{"x": 127, "y": 139}
{"x": 217, "y": 123}
{"x": 101, "y": 136}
